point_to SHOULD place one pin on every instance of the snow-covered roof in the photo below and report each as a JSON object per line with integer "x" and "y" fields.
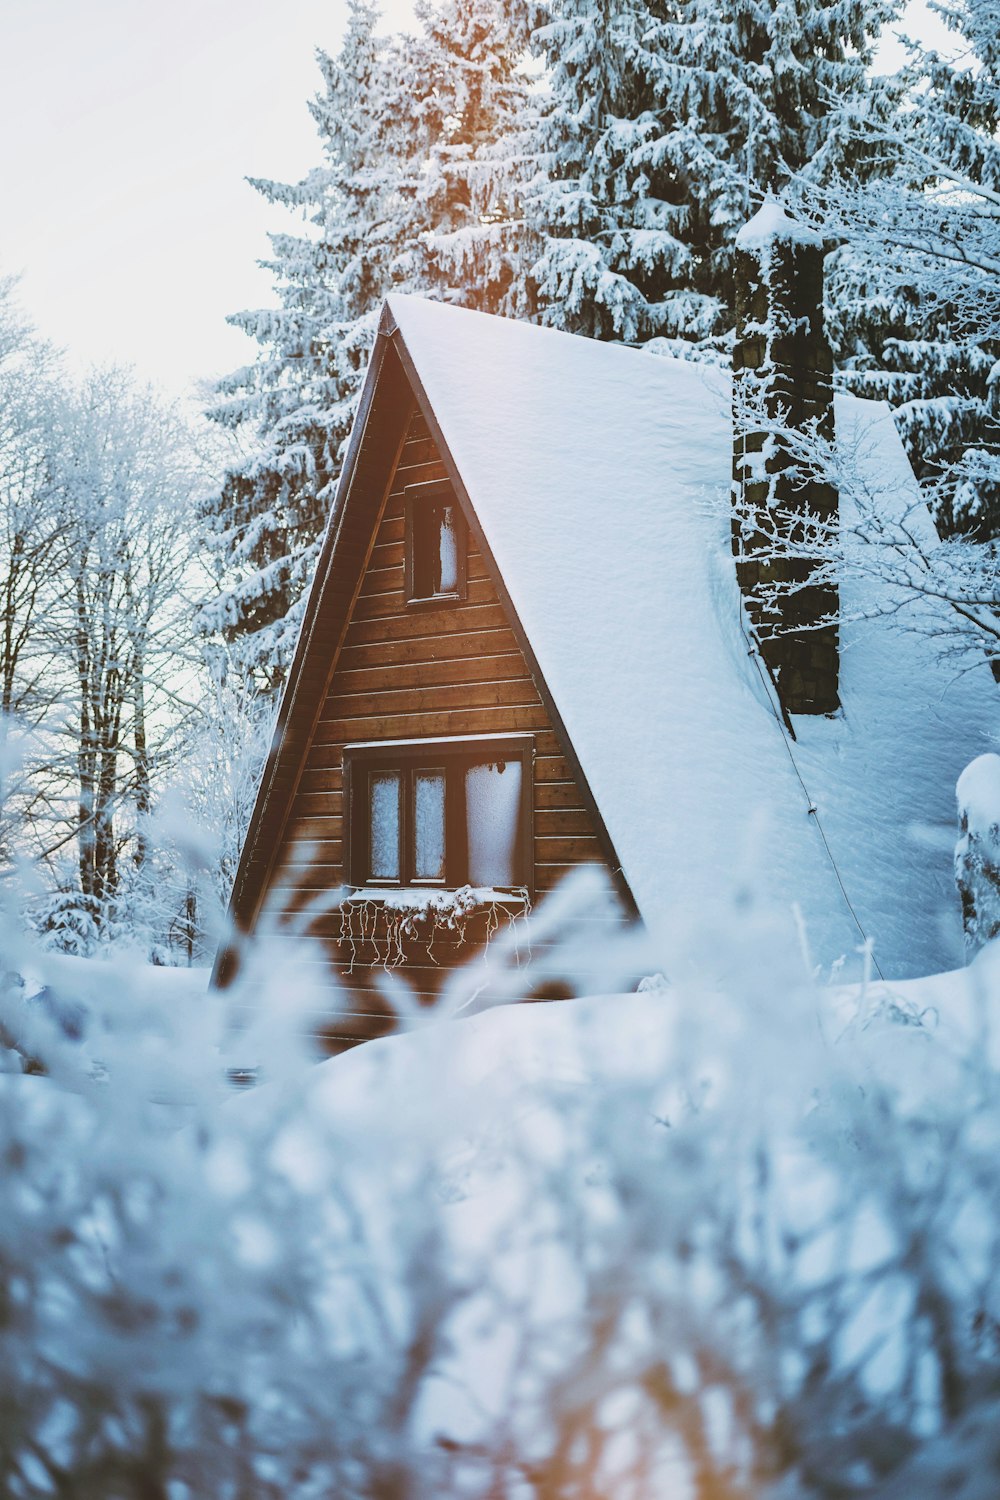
{"x": 600, "y": 476}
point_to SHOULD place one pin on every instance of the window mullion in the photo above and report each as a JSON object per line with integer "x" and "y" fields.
{"x": 406, "y": 830}
{"x": 456, "y": 842}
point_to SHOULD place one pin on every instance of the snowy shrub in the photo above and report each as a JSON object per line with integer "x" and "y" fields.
{"x": 69, "y": 922}
{"x": 977, "y": 853}
{"x": 729, "y": 1236}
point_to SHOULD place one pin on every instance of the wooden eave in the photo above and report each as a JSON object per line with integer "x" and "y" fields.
{"x": 392, "y": 390}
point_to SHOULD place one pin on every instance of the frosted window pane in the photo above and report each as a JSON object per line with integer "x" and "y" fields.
{"x": 428, "y": 818}
{"x": 384, "y": 794}
{"x": 426, "y": 549}
{"x": 448, "y": 554}
{"x": 493, "y": 803}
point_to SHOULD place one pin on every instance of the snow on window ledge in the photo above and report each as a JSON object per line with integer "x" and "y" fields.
{"x": 434, "y": 898}
{"x": 416, "y": 912}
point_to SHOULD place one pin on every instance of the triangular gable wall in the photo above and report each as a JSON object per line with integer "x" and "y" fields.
{"x": 397, "y": 674}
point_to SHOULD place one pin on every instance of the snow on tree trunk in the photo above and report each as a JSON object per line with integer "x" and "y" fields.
{"x": 782, "y": 375}
{"x": 977, "y": 853}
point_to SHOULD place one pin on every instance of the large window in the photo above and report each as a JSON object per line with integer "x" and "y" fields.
{"x": 440, "y": 812}
{"x": 435, "y": 544}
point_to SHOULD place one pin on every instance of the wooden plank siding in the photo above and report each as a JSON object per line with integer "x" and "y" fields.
{"x": 412, "y": 673}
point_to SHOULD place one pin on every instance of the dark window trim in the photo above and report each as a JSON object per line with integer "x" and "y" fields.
{"x": 445, "y": 752}
{"x": 414, "y": 496}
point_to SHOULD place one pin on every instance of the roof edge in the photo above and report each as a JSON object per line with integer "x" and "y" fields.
{"x": 282, "y": 755}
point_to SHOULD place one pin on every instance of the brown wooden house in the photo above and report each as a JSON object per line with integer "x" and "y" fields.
{"x": 524, "y": 651}
{"x": 421, "y": 774}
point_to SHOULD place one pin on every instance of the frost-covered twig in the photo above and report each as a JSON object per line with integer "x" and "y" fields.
{"x": 883, "y": 548}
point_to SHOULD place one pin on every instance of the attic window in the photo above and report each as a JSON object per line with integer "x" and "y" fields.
{"x": 435, "y": 544}
{"x": 440, "y": 813}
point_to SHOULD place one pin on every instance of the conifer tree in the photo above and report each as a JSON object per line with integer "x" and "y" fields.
{"x": 479, "y": 114}
{"x": 895, "y": 343}
{"x": 915, "y": 289}
{"x": 607, "y": 211}
{"x": 297, "y": 400}
{"x": 666, "y": 121}
{"x": 412, "y": 195}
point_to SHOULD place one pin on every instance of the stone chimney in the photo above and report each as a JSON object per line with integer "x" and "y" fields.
{"x": 782, "y": 369}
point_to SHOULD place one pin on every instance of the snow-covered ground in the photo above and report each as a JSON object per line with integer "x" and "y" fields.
{"x": 610, "y": 1246}
{"x": 817, "y": 1157}
{"x": 89, "y": 979}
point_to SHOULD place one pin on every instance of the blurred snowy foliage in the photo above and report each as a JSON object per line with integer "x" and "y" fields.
{"x": 736, "y": 1234}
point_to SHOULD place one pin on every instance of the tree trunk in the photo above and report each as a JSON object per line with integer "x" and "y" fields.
{"x": 143, "y": 794}
{"x": 105, "y": 852}
{"x": 86, "y": 756}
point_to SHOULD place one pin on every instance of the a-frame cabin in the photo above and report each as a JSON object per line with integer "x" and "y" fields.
{"x": 422, "y": 794}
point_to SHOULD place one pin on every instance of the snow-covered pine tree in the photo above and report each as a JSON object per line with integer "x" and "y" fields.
{"x": 479, "y": 118}
{"x": 667, "y": 120}
{"x": 894, "y": 343}
{"x": 607, "y": 214}
{"x": 296, "y": 402}
{"x": 416, "y": 192}
{"x": 960, "y": 421}
{"x": 915, "y": 290}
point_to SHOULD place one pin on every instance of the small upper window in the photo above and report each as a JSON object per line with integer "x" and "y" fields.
{"x": 435, "y": 544}
{"x": 440, "y": 812}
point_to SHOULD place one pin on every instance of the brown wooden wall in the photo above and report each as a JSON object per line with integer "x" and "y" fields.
{"x": 407, "y": 673}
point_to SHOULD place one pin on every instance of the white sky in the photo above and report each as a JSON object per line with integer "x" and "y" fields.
{"x": 128, "y": 128}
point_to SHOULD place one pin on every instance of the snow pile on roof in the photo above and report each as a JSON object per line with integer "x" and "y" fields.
{"x": 601, "y": 477}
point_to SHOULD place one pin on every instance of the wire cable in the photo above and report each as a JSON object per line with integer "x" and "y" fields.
{"x": 787, "y": 735}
